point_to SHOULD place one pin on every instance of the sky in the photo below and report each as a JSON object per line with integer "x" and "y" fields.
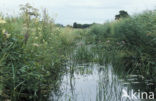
{"x": 82, "y": 11}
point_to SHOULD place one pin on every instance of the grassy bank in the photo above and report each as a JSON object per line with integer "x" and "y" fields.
{"x": 129, "y": 44}
{"x": 33, "y": 52}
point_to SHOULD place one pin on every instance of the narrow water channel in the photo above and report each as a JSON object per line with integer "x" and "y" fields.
{"x": 94, "y": 82}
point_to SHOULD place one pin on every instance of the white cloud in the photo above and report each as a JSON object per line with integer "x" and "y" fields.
{"x": 83, "y": 11}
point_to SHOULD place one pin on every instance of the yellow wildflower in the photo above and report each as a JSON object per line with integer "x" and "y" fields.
{"x": 36, "y": 38}
{"x": 35, "y": 44}
{"x": 2, "y": 21}
{"x": 3, "y": 31}
{"x": 8, "y": 35}
{"x": 36, "y": 20}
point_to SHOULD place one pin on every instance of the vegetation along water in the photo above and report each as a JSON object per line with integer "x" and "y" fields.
{"x": 41, "y": 61}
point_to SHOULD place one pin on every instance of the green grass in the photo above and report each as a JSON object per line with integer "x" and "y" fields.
{"x": 33, "y": 50}
{"x": 129, "y": 44}
{"x": 32, "y": 56}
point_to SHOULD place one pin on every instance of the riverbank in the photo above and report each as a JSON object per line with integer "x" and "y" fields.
{"x": 34, "y": 52}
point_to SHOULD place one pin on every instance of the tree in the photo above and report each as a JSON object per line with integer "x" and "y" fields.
{"x": 59, "y": 25}
{"x": 122, "y": 14}
{"x": 69, "y": 26}
{"x": 75, "y": 25}
{"x": 117, "y": 17}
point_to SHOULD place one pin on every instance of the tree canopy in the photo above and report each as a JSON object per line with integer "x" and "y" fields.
{"x": 122, "y": 14}
{"x": 76, "y": 25}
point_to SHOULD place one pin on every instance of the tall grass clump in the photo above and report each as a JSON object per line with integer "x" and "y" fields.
{"x": 129, "y": 44}
{"x": 84, "y": 54}
{"x": 32, "y": 55}
{"x": 136, "y": 44}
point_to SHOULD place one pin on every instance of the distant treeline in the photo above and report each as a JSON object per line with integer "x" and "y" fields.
{"x": 76, "y": 25}
{"x": 122, "y": 14}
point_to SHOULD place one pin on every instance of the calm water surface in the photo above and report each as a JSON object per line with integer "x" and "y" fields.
{"x": 94, "y": 82}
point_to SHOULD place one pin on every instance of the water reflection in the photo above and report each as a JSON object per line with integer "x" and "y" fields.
{"x": 93, "y": 82}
